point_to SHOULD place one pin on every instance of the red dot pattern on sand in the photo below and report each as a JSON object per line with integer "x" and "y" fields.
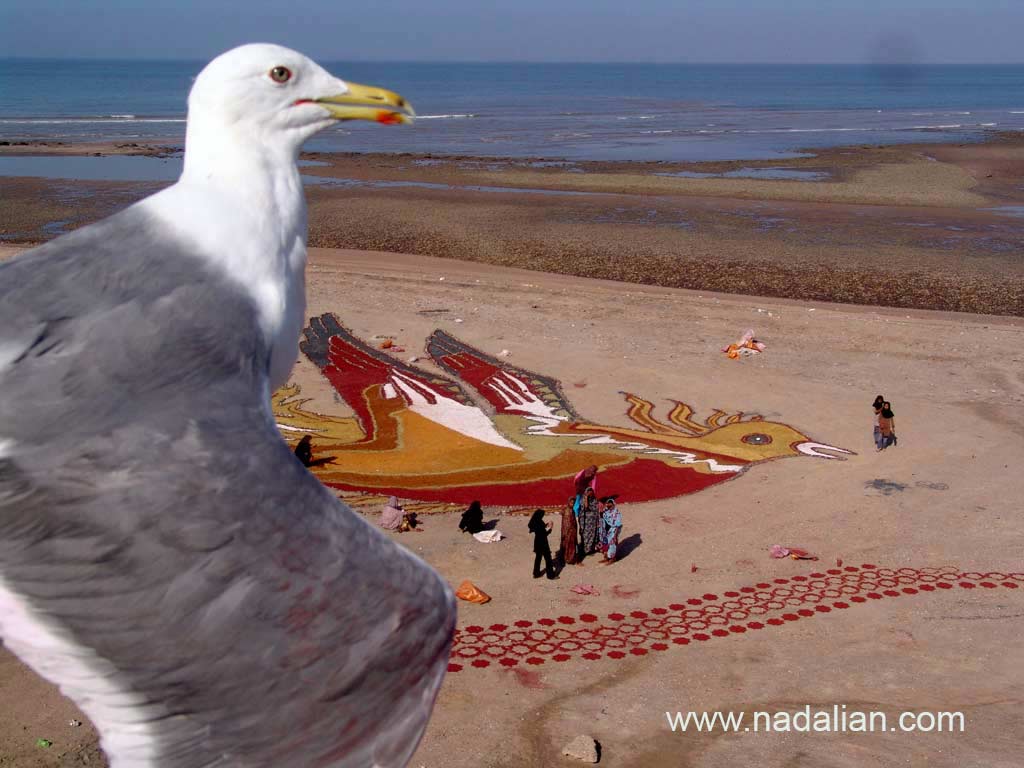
{"x": 619, "y": 635}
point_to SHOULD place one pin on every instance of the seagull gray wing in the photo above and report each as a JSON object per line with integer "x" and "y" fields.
{"x": 163, "y": 556}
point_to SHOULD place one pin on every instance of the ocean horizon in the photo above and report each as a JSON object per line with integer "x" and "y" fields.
{"x": 620, "y": 112}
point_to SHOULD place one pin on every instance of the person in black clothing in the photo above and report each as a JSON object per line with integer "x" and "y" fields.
{"x": 304, "y": 451}
{"x": 472, "y": 519}
{"x": 541, "y": 548}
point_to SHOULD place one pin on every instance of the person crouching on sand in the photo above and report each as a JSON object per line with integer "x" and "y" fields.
{"x": 304, "y": 451}
{"x": 541, "y": 548}
{"x": 611, "y": 525}
{"x": 392, "y": 514}
{"x": 568, "y": 551}
{"x": 472, "y": 519}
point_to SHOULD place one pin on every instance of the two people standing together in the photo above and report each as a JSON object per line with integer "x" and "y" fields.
{"x": 885, "y": 424}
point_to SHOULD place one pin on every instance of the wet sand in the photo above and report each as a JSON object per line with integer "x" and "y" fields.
{"x": 909, "y": 226}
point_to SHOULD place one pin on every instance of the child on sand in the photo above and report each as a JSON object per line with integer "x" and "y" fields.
{"x": 886, "y": 427}
{"x": 877, "y": 405}
{"x": 541, "y": 548}
{"x": 611, "y": 525}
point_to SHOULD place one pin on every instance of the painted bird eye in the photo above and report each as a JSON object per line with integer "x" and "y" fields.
{"x": 756, "y": 438}
{"x": 280, "y": 74}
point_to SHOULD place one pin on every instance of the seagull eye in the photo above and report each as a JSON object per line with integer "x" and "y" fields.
{"x": 280, "y": 74}
{"x": 756, "y": 439}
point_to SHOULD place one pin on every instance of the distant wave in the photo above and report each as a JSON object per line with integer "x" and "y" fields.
{"x": 87, "y": 120}
{"x": 806, "y": 130}
{"x": 849, "y": 129}
{"x": 444, "y": 117}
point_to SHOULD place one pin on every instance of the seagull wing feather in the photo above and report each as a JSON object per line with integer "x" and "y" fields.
{"x": 163, "y": 556}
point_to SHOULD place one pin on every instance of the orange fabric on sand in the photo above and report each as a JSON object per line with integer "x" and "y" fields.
{"x": 469, "y": 592}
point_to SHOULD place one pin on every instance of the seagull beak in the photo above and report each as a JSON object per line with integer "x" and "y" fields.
{"x": 818, "y": 450}
{"x": 364, "y": 102}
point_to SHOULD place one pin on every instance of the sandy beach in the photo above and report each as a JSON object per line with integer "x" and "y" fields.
{"x": 915, "y": 603}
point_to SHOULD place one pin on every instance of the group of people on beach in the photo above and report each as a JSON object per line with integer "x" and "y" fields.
{"x": 589, "y": 525}
{"x": 885, "y": 423}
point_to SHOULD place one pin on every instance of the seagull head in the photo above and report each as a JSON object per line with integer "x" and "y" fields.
{"x": 280, "y": 97}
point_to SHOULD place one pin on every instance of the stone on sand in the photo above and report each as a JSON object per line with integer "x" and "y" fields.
{"x": 582, "y": 748}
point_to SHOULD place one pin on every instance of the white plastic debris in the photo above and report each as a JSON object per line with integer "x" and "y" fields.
{"x": 488, "y": 537}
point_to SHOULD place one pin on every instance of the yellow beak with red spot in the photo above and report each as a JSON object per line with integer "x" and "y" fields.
{"x": 365, "y": 102}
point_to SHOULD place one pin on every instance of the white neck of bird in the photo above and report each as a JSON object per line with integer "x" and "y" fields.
{"x": 240, "y": 200}
{"x": 260, "y": 175}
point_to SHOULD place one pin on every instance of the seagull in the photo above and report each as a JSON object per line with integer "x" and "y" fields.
{"x": 164, "y": 557}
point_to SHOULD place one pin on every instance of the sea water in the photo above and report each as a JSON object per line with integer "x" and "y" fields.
{"x": 669, "y": 112}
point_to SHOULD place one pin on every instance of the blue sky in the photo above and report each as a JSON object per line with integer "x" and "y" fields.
{"x": 787, "y": 31}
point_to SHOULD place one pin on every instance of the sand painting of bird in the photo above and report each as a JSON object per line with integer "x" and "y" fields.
{"x": 498, "y": 433}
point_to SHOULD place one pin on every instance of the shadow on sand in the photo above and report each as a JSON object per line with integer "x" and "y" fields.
{"x": 627, "y": 546}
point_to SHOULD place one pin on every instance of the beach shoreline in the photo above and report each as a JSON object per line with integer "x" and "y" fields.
{"x": 918, "y": 226}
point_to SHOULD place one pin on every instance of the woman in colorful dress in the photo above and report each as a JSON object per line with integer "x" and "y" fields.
{"x": 590, "y": 523}
{"x": 611, "y": 525}
{"x": 568, "y": 552}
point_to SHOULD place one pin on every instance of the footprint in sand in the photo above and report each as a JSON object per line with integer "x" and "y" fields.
{"x": 624, "y": 593}
{"x": 528, "y": 679}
